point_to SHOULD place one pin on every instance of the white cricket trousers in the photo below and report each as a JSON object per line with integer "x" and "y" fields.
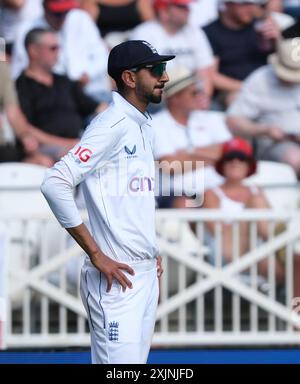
{"x": 121, "y": 323}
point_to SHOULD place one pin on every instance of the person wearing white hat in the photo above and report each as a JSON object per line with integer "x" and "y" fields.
{"x": 185, "y": 136}
{"x": 268, "y": 107}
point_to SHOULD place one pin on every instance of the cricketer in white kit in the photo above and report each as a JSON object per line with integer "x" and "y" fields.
{"x": 114, "y": 163}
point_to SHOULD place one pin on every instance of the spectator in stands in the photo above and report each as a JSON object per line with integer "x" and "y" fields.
{"x": 14, "y": 12}
{"x": 27, "y": 145}
{"x": 51, "y": 102}
{"x": 9, "y": 10}
{"x": 118, "y": 16}
{"x": 186, "y": 132}
{"x": 171, "y": 33}
{"x": 83, "y": 54}
{"x": 236, "y": 163}
{"x": 267, "y": 108}
{"x": 235, "y": 38}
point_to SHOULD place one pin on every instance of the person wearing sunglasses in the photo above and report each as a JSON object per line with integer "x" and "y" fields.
{"x": 114, "y": 162}
{"x": 55, "y": 104}
{"x": 83, "y": 54}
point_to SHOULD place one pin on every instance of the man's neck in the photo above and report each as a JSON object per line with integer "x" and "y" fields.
{"x": 138, "y": 104}
{"x": 39, "y": 74}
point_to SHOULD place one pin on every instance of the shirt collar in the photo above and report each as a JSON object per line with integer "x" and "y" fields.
{"x": 129, "y": 109}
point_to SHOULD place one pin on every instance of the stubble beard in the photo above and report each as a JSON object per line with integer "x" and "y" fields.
{"x": 150, "y": 96}
{"x": 154, "y": 99}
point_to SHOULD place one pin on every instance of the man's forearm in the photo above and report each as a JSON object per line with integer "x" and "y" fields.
{"x": 85, "y": 240}
{"x": 210, "y": 152}
{"x": 21, "y": 127}
{"x": 206, "y": 75}
{"x": 15, "y": 4}
{"x": 226, "y": 83}
{"x": 245, "y": 127}
{"x": 181, "y": 161}
{"x": 46, "y": 138}
{"x": 17, "y": 120}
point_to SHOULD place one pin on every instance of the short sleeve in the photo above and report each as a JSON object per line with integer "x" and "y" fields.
{"x": 249, "y": 102}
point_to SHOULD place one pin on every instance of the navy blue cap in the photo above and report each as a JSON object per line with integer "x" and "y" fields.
{"x": 131, "y": 54}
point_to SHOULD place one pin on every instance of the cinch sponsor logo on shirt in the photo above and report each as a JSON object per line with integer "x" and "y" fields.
{"x": 130, "y": 152}
{"x": 84, "y": 154}
{"x": 141, "y": 184}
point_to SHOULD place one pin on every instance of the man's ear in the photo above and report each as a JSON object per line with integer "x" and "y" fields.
{"x": 129, "y": 78}
{"x": 31, "y": 50}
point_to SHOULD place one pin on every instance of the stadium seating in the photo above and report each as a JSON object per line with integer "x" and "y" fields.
{"x": 279, "y": 182}
{"x": 20, "y": 202}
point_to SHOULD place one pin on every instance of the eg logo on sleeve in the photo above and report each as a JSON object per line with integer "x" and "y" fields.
{"x": 84, "y": 154}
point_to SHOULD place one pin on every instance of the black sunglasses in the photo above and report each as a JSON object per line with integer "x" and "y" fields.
{"x": 181, "y": 6}
{"x": 156, "y": 70}
{"x": 52, "y": 48}
{"x": 58, "y": 15}
{"x": 236, "y": 155}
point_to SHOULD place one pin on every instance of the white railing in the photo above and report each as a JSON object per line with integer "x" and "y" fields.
{"x": 201, "y": 302}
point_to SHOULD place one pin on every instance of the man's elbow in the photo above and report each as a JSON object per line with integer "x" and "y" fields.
{"x": 232, "y": 123}
{"x": 44, "y": 188}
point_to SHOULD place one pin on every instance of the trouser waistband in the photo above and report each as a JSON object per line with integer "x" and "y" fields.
{"x": 142, "y": 265}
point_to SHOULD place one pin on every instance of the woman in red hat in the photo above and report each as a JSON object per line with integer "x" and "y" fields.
{"x": 237, "y": 162}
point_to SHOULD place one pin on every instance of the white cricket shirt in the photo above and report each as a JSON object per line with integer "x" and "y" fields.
{"x": 114, "y": 161}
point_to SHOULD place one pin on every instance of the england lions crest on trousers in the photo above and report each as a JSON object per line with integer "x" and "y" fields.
{"x": 113, "y": 332}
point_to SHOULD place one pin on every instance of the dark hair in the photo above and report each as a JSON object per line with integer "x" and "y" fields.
{"x": 119, "y": 81}
{"x": 34, "y": 35}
